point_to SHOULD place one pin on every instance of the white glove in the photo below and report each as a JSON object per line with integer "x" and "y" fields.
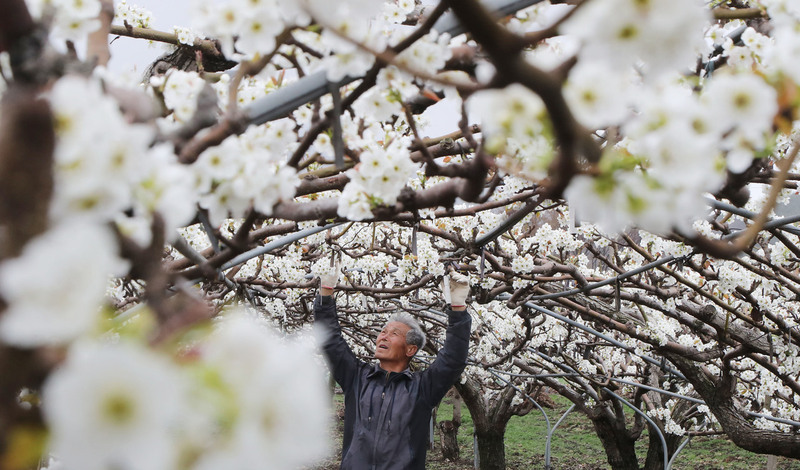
{"x": 331, "y": 278}
{"x": 459, "y": 289}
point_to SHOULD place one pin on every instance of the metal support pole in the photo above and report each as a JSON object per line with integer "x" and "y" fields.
{"x": 549, "y": 436}
{"x": 248, "y": 255}
{"x": 678, "y": 451}
{"x": 432, "y": 434}
{"x": 746, "y": 214}
{"x": 476, "y": 461}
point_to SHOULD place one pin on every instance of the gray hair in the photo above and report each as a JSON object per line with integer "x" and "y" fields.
{"x": 415, "y": 335}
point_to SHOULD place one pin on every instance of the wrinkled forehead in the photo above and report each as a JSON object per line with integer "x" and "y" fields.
{"x": 397, "y": 326}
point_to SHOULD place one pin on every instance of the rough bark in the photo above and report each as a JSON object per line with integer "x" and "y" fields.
{"x": 490, "y": 419}
{"x": 26, "y": 156}
{"x": 448, "y": 430}
{"x": 655, "y": 452}
{"x": 491, "y": 446}
{"x": 617, "y": 443}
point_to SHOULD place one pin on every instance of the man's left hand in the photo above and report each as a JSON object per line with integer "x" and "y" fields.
{"x": 459, "y": 290}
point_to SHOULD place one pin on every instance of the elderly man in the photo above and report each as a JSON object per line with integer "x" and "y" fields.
{"x": 387, "y": 406}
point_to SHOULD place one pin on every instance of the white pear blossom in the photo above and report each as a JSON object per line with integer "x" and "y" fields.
{"x": 243, "y": 172}
{"x": 72, "y": 19}
{"x": 599, "y": 95}
{"x": 377, "y": 179}
{"x": 745, "y": 106}
{"x": 114, "y": 406}
{"x": 377, "y": 104}
{"x": 259, "y": 29}
{"x": 744, "y": 101}
{"x": 56, "y": 287}
{"x": 180, "y": 93}
{"x": 516, "y": 127}
{"x": 98, "y": 154}
{"x": 427, "y": 55}
{"x": 165, "y": 188}
{"x": 664, "y": 36}
{"x": 184, "y": 35}
{"x": 279, "y": 394}
{"x": 134, "y": 15}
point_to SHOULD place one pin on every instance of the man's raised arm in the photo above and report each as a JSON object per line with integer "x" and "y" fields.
{"x": 343, "y": 363}
{"x": 452, "y": 357}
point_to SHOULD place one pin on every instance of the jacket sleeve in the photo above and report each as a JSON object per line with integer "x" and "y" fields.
{"x": 451, "y": 359}
{"x": 343, "y": 363}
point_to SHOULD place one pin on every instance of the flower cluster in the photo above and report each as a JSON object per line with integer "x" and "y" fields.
{"x": 72, "y": 19}
{"x": 660, "y": 37}
{"x": 132, "y": 14}
{"x": 516, "y": 126}
{"x": 377, "y": 179}
{"x": 105, "y": 167}
{"x": 251, "y": 25}
{"x": 228, "y": 400}
{"x": 55, "y": 288}
{"x": 643, "y": 180}
{"x": 246, "y": 171}
{"x": 180, "y": 91}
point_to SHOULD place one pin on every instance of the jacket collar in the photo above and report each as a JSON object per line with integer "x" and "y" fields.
{"x": 376, "y": 370}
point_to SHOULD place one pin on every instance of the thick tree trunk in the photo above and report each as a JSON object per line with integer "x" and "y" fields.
{"x": 618, "y": 445}
{"x": 27, "y": 141}
{"x": 490, "y": 417}
{"x": 490, "y": 425}
{"x": 448, "y": 430}
{"x": 655, "y": 452}
{"x": 492, "y": 448}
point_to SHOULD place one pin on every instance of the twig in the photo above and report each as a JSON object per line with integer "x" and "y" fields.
{"x": 738, "y": 13}
{"x": 207, "y": 46}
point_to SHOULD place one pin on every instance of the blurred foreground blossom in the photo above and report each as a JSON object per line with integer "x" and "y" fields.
{"x": 114, "y": 406}
{"x": 242, "y": 397}
{"x": 281, "y": 403}
{"x": 55, "y": 288}
{"x": 72, "y": 19}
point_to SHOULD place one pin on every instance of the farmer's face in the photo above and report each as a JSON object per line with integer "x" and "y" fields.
{"x": 391, "y": 347}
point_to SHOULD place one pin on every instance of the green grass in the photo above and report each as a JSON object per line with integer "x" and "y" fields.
{"x": 575, "y": 445}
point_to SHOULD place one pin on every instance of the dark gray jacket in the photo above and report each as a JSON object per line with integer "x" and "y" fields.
{"x": 387, "y": 414}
